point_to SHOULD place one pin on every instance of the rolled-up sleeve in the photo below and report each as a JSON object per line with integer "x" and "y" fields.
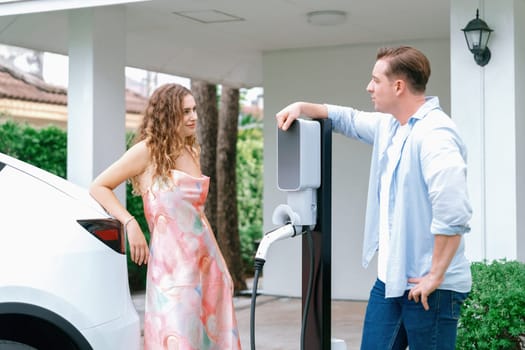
{"x": 444, "y": 168}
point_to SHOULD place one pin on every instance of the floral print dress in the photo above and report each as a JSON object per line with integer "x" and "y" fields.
{"x": 189, "y": 289}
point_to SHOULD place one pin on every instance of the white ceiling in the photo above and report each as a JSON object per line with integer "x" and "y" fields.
{"x": 231, "y": 52}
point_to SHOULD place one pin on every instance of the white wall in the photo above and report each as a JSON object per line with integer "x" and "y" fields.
{"x": 488, "y": 105}
{"x": 335, "y": 75}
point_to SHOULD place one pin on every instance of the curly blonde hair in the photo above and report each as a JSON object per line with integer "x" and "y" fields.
{"x": 160, "y": 128}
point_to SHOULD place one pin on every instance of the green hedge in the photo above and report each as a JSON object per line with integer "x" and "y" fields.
{"x": 249, "y": 191}
{"x": 493, "y": 316}
{"x": 47, "y": 149}
{"x": 136, "y": 274}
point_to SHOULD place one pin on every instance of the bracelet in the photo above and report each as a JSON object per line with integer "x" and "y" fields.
{"x": 128, "y": 221}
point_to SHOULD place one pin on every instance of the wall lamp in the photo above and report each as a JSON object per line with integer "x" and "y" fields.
{"x": 477, "y": 34}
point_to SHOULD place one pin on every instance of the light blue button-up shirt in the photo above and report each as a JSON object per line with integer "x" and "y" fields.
{"x": 428, "y": 193}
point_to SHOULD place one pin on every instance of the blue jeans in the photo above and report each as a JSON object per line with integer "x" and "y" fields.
{"x": 395, "y": 323}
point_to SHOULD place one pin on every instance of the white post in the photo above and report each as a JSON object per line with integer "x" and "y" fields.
{"x": 96, "y": 92}
{"x": 487, "y": 107}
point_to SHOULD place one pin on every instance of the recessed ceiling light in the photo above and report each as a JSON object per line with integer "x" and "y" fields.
{"x": 209, "y": 16}
{"x": 326, "y": 18}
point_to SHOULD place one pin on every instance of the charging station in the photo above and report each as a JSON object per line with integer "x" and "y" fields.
{"x": 304, "y": 173}
{"x": 298, "y": 173}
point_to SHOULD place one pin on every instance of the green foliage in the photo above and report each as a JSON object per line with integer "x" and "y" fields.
{"x": 249, "y": 190}
{"x": 136, "y": 273}
{"x": 247, "y": 120}
{"x": 45, "y": 148}
{"x": 493, "y": 316}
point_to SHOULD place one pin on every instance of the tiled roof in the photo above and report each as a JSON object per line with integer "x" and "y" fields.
{"x": 135, "y": 103}
{"x": 21, "y": 86}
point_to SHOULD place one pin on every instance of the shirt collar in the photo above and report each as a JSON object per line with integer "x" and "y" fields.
{"x": 431, "y": 103}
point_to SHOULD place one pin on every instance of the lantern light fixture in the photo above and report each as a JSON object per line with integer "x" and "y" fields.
{"x": 477, "y": 34}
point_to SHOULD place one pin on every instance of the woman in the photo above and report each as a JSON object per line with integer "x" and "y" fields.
{"x": 188, "y": 287}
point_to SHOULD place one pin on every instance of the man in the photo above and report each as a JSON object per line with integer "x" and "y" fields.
{"x": 417, "y": 208}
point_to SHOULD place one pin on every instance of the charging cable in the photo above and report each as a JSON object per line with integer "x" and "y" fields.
{"x": 286, "y": 231}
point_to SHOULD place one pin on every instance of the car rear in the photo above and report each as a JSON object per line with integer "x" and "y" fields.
{"x": 63, "y": 274}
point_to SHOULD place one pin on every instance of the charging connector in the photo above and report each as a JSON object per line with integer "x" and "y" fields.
{"x": 286, "y": 231}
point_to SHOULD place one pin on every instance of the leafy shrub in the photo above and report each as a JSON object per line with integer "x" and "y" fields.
{"x": 136, "y": 273}
{"x": 493, "y": 316}
{"x": 248, "y": 120}
{"x": 249, "y": 190}
{"x": 45, "y": 148}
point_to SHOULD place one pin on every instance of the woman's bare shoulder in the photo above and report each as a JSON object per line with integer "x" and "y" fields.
{"x": 140, "y": 146}
{"x": 138, "y": 155}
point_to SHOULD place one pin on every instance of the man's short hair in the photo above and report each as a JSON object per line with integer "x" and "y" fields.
{"x": 408, "y": 63}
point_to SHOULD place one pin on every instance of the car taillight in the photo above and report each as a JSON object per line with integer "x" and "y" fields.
{"x": 109, "y": 231}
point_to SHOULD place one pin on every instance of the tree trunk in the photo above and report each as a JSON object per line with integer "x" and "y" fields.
{"x": 206, "y": 98}
{"x": 227, "y": 216}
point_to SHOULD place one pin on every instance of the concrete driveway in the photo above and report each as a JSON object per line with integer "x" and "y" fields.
{"x": 278, "y": 321}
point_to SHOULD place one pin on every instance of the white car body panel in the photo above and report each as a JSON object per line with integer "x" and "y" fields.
{"x": 49, "y": 260}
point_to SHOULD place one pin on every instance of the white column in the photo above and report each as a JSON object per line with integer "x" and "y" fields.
{"x": 486, "y": 105}
{"x": 519, "y": 51}
{"x": 96, "y": 92}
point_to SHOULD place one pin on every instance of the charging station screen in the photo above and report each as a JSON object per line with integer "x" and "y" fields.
{"x": 288, "y": 158}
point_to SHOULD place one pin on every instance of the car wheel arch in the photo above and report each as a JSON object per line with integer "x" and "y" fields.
{"x": 39, "y": 327}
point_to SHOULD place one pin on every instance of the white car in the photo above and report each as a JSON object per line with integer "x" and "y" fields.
{"x": 63, "y": 272}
